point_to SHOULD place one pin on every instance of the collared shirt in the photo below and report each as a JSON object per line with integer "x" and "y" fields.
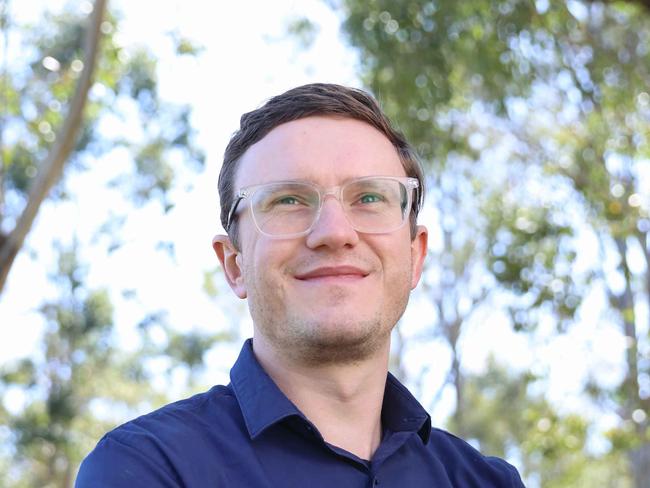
{"x": 249, "y": 434}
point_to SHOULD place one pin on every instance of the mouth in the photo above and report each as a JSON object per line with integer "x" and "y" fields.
{"x": 333, "y": 274}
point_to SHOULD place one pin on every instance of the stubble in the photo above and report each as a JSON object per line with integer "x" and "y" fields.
{"x": 313, "y": 339}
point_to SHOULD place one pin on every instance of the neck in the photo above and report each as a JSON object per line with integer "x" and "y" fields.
{"x": 343, "y": 401}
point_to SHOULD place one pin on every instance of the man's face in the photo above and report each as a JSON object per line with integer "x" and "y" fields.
{"x": 335, "y": 294}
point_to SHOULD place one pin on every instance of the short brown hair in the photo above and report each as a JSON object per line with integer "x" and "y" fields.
{"x": 305, "y": 101}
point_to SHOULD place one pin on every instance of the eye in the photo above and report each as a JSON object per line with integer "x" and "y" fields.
{"x": 287, "y": 200}
{"x": 371, "y": 198}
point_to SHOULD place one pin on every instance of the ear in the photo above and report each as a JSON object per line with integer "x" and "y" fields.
{"x": 418, "y": 253}
{"x": 231, "y": 262}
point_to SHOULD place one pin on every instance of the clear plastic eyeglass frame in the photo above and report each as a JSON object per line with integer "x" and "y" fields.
{"x": 247, "y": 193}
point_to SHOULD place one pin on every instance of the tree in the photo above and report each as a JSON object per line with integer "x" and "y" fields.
{"x": 81, "y": 371}
{"x": 506, "y": 414}
{"x": 84, "y": 381}
{"x": 50, "y": 170}
{"x": 67, "y": 62}
{"x": 80, "y": 381}
{"x": 527, "y": 92}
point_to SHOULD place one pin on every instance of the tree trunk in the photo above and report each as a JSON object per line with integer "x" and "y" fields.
{"x": 640, "y": 463}
{"x": 625, "y": 306}
{"x": 51, "y": 169}
{"x": 639, "y": 458}
{"x": 4, "y": 102}
{"x": 645, "y": 245}
{"x": 459, "y": 413}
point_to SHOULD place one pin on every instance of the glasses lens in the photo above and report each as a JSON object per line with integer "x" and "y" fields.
{"x": 376, "y": 204}
{"x": 285, "y": 208}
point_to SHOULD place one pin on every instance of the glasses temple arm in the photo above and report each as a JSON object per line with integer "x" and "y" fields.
{"x": 231, "y": 214}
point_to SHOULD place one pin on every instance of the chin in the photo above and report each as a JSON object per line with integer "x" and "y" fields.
{"x": 339, "y": 343}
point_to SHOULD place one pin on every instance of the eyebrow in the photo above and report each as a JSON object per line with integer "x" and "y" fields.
{"x": 312, "y": 182}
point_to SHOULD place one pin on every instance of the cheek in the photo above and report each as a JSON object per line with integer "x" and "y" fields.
{"x": 265, "y": 262}
{"x": 400, "y": 251}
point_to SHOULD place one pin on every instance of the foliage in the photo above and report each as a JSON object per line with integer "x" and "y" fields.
{"x": 548, "y": 103}
{"x": 79, "y": 370}
{"x": 80, "y": 380}
{"x": 38, "y": 88}
{"x": 84, "y": 381}
{"x": 508, "y": 416}
{"x": 303, "y": 30}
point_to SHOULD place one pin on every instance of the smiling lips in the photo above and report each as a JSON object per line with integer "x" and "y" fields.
{"x": 333, "y": 274}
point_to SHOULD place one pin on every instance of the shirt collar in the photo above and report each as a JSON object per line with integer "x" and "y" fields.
{"x": 402, "y": 412}
{"x": 261, "y": 401}
{"x": 263, "y": 404}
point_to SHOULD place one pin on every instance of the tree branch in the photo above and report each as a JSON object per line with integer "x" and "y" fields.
{"x": 4, "y": 99}
{"x": 644, "y": 240}
{"x": 52, "y": 168}
{"x": 626, "y": 309}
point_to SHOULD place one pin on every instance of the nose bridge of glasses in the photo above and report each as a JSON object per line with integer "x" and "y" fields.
{"x": 337, "y": 194}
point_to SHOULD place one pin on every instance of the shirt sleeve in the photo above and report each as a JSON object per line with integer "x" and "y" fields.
{"x": 113, "y": 464}
{"x": 513, "y": 474}
{"x": 516, "y": 478}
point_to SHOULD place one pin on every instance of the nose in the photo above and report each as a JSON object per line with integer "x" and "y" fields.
{"x": 332, "y": 229}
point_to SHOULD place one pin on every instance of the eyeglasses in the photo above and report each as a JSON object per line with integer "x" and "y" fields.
{"x": 372, "y": 204}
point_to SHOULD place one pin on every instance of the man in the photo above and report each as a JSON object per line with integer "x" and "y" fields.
{"x": 319, "y": 197}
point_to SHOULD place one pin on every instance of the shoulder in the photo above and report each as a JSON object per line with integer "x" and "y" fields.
{"x": 179, "y": 420}
{"x": 466, "y": 466}
{"x": 147, "y": 448}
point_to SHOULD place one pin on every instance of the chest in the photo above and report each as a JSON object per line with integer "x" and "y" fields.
{"x": 282, "y": 457}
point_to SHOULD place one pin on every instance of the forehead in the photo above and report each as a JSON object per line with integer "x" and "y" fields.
{"x": 325, "y": 150}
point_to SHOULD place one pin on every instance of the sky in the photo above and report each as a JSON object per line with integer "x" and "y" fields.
{"x": 247, "y": 58}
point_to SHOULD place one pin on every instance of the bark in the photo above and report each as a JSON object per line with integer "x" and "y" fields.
{"x": 452, "y": 325}
{"x": 459, "y": 413}
{"x": 67, "y": 481}
{"x": 625, "y": 304}
{"x": 640, "y": 463}
{"x": 52, "y": 168}
{"x": 645, "y": 245}
{"x": 4, "y": 96}
{"x": 639, "y": 457}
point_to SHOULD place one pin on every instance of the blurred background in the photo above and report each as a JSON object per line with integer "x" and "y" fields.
{"x": 529, "y": 334}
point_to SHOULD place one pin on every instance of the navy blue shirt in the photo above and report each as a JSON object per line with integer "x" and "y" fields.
{"x": 249, "y": 434}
